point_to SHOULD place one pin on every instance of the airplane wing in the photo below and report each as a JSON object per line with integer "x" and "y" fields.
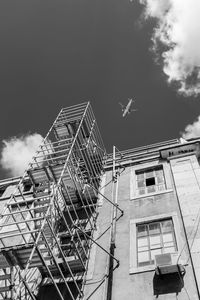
{"x": 130, "y": 110}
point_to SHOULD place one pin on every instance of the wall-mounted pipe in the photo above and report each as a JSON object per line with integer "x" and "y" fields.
{"x": 113, "y": 229}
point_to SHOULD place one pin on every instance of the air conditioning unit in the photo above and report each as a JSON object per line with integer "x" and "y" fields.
{"x": 167, "y": 263}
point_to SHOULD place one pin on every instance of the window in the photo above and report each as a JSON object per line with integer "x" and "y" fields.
{"x": 153, "y": 235}
{"x": 154, "y": 238}
{"x": 150, "y": 180}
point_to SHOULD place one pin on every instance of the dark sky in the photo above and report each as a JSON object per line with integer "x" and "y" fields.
{"x": 57, "y": 53}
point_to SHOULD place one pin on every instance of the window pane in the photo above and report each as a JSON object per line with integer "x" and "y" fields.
{"x": 143, "y": 257}
{"x": 155, "y": 241}
{"x": 167, "y": 237}
{"x": 149, "y": 174}
{"x": 167, "y": 226}
{"x": 154, "y": 228}
{"x": 169, "y": 250}
{"x": 161, "y": 187}
{"x": 151, "y": 189}
{"x": 160, "y": 179}
{"x": 141, "y": 183}
{"x": 168, "y": 240}
{"x": 159, "y": 172}
{"x": 167, "y": 245}
{"x": 141, "y": 191}
{"x": 150, "y": 181}
{"x": 142, "y": 230}
{"x": 143, "y": 244}
{"x": 140, "y": 176}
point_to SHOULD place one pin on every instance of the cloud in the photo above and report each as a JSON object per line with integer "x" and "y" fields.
{"x": 176, "y": 41}
{"x": 17, "y": 152}
{"x": 192, "y": 130}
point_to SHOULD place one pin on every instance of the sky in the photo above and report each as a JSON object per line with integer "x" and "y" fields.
{"x": 59, "y": 53}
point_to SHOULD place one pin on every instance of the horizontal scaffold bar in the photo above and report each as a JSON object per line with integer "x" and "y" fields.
{"x": 24, "y": 210}
{"x": 24, "y": 221}
{"x": 18, "y": 233}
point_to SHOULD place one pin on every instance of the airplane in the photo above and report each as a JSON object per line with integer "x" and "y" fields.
{"x": 127, "y": 109}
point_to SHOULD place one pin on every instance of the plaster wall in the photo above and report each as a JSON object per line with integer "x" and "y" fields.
{"x": 186, "y": 172}
{"x": 96, "y": 280}
{"x": 138, "y": 285}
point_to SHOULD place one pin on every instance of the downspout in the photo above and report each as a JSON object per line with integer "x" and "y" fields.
{"x": 113, "y": 229}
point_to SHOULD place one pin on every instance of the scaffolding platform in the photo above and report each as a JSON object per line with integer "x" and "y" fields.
{"x": 46, "y": 233}
{"x": 49, "y": 220}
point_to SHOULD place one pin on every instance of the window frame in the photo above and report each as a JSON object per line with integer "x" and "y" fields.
{"x": 133, "y": 266}
{"x": 160, "y": 245}
{"x": 147, "y": 179}
{"x": 153, "y": 165}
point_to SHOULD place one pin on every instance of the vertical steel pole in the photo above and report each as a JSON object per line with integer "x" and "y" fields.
{"x": 113, "y": 227}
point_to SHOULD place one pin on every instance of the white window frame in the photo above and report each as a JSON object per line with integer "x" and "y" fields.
{"x": 152, "y": 165}
{"x": 133, "y": 267}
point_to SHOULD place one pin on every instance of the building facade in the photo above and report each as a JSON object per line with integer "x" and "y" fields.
{"x": 157, "y": 238}
{"x": 81, "y": 224}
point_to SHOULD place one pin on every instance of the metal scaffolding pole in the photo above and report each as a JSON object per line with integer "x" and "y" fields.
{"x": 53, "y": 224}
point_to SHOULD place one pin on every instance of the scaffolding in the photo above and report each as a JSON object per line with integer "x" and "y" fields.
{"x": 47, "y": 226}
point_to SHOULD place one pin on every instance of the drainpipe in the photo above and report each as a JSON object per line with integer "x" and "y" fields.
{"x": 113, "y": 229}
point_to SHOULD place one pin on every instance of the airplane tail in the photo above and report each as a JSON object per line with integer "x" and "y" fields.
{"x": 122, "y": 106}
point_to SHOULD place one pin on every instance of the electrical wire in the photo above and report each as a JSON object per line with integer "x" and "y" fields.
{"x": 197, "y": 218}
{"x": 189, "y": 236}
{"x": 181, "y": 279}
{"x": 114, "y": 179}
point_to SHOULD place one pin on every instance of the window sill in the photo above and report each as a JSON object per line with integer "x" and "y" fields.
{"x": 152, "y": 194}
{"x": 142, "y": 269}
{"x": 150, "y": 268}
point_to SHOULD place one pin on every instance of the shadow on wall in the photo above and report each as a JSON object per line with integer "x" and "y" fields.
{"x": 48, "y": 292}
{"x": 167, "y": 284}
